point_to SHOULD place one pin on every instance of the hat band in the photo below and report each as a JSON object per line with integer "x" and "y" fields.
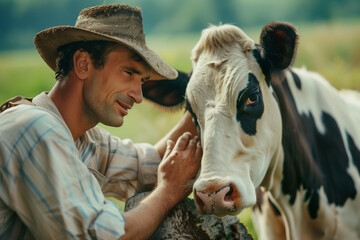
{"x": 110, "y": 26}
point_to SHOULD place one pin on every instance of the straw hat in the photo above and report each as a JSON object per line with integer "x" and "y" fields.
{"x": 119, "y": 23}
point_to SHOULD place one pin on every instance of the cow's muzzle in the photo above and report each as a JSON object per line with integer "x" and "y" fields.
{"x": 218, "y": 200}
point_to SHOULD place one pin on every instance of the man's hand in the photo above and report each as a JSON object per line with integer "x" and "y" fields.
{"x": 179, "y": 167}
{"x": 186, "y": 124}
{"x": 176, "y": 172}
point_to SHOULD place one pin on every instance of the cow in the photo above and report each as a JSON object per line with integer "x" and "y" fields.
{"x": 274, "y": 136}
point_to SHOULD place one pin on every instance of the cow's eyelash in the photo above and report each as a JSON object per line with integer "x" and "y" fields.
{"x": 240, "y": 98}
{"x": 195, "y": 120}
{"x": 189, "y": 109}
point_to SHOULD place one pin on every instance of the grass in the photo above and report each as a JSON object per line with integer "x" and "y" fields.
{"x": 332, "y": 50}
{"x": 328, "y": 48}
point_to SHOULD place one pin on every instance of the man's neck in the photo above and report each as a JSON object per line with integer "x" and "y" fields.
{"x": 68, "y": 100}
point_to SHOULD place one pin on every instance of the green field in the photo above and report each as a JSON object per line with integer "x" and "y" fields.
{"x": 328, "y": 48}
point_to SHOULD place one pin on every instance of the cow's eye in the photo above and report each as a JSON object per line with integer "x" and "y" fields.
{"x": 252, "y": 99}
{"x": 253, "y": 103}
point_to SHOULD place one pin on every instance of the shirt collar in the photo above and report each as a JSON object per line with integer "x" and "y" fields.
{"x": 44, "y": 101}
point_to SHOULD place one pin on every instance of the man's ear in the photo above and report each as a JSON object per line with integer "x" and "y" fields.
{"x": 279, "y": 43}
{"x": 81, "y": 61}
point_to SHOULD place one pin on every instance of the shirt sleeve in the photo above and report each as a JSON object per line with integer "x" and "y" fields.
{"x": 130, "y": 167}
{"x": 46, "y": 184}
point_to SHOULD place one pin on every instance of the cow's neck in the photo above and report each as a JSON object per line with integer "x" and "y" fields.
{"x": 298, "y": 169}
{"x": 308, "y": 153}
{"x": 295, "y": 155}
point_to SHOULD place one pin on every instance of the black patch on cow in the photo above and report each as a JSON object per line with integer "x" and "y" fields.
{"x": 355, "y": 152}
{"x": 296, "y": 80}
{"x": 312, "y": 159}
{"x": 247, "y": 114}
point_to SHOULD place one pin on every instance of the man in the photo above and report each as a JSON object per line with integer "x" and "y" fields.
{"x": 57, "y": 166}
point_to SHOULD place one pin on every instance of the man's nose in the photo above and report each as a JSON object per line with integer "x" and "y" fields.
{"x": 135, "y": 93}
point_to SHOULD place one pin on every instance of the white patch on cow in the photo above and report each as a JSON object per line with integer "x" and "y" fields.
{"x": 306, "y": 98}
{"x": 299, "y": 223}
{"x": 351, "y": 97}
{"x": 267, "y": 224}
{"x": 317, "y": 96}
{"x": 347, "y": 213}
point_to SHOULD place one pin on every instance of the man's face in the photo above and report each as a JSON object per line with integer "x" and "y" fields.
{"x": 111, "y": 91}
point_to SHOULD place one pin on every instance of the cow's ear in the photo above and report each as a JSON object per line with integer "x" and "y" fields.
{"x": 167, "y": 93}
{"x": 279, "y": 44}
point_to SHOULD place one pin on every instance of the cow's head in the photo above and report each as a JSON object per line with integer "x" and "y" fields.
{"x": 232, "y": 102}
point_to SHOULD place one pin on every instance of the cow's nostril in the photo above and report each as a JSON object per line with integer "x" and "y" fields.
{"x": 200, "y": 203}
{"x": 224, "y": 199}
{"x": 228, "y": 197}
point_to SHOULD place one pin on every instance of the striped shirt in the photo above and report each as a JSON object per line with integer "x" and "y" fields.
{"x": 54, "y": 188}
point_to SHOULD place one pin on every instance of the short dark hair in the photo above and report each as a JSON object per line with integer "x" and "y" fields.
{"x": 98, "y": 50}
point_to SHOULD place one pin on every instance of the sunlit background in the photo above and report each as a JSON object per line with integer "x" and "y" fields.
{"x": 329, "y": 43}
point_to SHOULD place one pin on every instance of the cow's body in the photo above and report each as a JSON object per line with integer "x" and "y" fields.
{"x": 318, "y": 195}
{"x": 264, "y": 125}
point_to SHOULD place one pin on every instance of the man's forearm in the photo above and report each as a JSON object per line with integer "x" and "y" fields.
{"x": 147, "y": 215}
{"x": 181, "y": 162}
{"x": 185, "y": 125}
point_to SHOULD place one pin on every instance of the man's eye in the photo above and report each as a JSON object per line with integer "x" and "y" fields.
{"x": 252, "y": 99}
{"x": 128, "y": 72}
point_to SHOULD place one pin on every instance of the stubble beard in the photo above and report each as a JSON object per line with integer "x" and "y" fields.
{"x": 104, "y": 113}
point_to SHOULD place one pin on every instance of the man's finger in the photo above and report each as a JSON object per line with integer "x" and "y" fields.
{"x": 198, "y": 152}
{"x": 183, "y": 141}
{"x": 169, "y": 147}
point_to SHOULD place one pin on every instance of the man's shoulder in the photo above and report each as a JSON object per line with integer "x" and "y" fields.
{"x": 24, "y": 113}
{"x": 27, "y": 119}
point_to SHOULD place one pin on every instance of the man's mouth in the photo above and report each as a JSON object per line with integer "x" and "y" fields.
{"x": 124, "y": 107}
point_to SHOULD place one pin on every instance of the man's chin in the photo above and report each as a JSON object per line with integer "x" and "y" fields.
{"x": 117, "y": 124}
{"x": 113, "y": 123}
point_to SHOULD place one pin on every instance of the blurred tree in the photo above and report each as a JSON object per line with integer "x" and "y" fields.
{"x": 20, "y": 20}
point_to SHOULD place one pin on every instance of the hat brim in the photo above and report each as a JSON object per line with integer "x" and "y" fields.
{"x": 49, "y": 40}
